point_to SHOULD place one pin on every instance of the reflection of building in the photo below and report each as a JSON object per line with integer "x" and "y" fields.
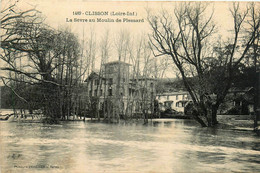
{"x": 173, "y": 100}
{"x": 116, "y": 85}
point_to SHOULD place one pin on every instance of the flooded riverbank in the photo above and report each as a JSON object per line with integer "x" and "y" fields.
{"x": 161, "y": 146}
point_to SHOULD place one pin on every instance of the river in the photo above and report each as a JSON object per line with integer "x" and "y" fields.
{"x": 160, "y": 146}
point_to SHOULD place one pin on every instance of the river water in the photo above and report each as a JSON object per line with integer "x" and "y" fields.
{"x": 160, "y": 146}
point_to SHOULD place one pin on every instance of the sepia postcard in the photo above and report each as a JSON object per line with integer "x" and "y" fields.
{"x": 129, "y": 86}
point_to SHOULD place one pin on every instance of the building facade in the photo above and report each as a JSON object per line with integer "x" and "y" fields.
{"x": 115, "y": 88}
{"x": 238, "y": 101}
{"x": 173, "y": 100}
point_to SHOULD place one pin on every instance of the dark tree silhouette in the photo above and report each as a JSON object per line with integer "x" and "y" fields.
{"x": 186, "y": 35}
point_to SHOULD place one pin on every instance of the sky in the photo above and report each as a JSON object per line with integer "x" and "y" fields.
{"x": 56, "y": 12}
{"x": 59, "y": 13}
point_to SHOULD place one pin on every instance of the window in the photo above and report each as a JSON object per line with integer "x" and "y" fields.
{"x": 168, "y": 104}
{"x": 122, "y": 106}
{"x": 167, "y": 97}
{"x": 101, "y": 105}
{"x": 110, "y": 81}
{"x": 110, "y": 92}
{"x": 177, "y": 104}
{"x": 177, "y": 97}
{"x": 95, "y": 92}
{"x": 137, "y": 106}
{"x": 90, "y": 92}
{"x": 101, "y": 92}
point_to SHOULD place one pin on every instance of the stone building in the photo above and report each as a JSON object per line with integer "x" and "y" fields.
{"x": 174, "y": 100}
{"x": 238, "y": 101}
{"x": 116, "y": 88}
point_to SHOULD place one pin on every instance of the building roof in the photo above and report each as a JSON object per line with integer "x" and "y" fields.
{"x": 117, "y": 62}
{"x": 237, "y": 89}
{"x": 182, "y": 101}
{"x": 173, "y": 93}
{"x": 93, "y": 75}
{"x": 142, "y": 78}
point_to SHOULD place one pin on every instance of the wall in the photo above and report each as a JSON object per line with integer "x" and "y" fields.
{"x": 176, "y": 100}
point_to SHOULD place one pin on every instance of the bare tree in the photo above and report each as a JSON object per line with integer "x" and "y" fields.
{"x": 121, "y": 45}
{"x": 91, "y": 51}
{"x": 86, "y": 67}
{"x": 101, "y": 87}
{"x": 105, "y": 49}
{"x": 141, "y": 89}
{"x": 185, "y": 37}
{"x": 47, "y": 58}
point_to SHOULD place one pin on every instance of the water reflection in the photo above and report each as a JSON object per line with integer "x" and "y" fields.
{"x": 162, "y": 145}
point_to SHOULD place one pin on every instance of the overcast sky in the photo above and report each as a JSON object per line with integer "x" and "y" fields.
{"x": 59, "y": 12}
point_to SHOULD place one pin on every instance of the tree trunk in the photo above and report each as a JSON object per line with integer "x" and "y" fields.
{"x": 214, "y": 120}
{"x": 195, "y": 115}
{"x": 199, "y": 120}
